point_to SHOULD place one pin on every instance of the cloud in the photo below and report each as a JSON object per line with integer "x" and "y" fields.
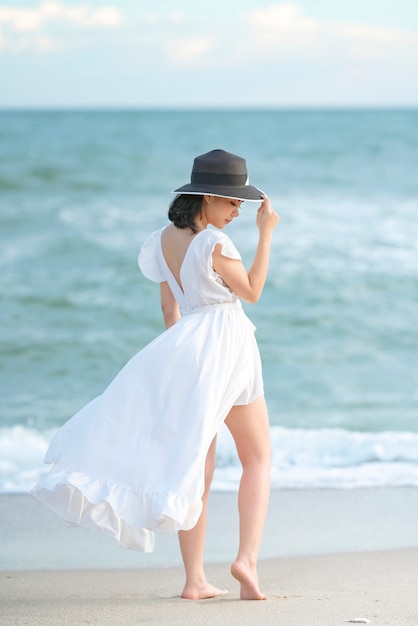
{"x": 190, "y": 51}
{"x": 285, "y": 28}
{"x": 81, "y": 16}
{"x": 278, "y": 32}
{"x": 285, "y": 17}
{"x": 22, "y": 28}
{"x": 158, "y": 18}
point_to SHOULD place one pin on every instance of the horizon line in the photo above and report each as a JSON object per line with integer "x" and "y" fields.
{"x": 201, "y": 108}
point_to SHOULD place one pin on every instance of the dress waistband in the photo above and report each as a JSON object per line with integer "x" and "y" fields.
{"x": 206, "y": 308}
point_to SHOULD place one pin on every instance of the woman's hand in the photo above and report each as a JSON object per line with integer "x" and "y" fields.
{"x": 267, "y": 218}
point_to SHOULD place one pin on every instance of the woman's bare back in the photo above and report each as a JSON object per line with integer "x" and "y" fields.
{"x": 175, "y": 243}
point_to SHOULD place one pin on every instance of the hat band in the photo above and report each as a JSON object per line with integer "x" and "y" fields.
{"x": 229, "y": 180}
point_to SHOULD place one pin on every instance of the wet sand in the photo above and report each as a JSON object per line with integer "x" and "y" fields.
{"x": 327, "y": 557}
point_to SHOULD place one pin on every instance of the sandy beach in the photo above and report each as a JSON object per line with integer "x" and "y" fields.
{"x": 327, "y": 557}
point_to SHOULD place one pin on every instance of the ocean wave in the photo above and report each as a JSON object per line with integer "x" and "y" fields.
{"x": 301, "y": 459}
{"x": 329, "y": 458}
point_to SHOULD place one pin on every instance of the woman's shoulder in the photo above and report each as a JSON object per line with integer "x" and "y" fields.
{"x": 214, "y": 237}
{"x": 148, "y": 260}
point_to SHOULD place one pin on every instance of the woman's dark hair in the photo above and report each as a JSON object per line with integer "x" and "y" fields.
{"x": 184, "y": 210}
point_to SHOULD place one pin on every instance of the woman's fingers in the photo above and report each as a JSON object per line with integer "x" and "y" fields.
{"x": 266, "y": 215}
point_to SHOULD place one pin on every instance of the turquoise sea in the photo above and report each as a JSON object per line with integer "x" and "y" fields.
{"x": 337, "y": 323}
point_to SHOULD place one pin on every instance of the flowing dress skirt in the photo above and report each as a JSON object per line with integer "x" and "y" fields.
{"x": 132, "y": 461}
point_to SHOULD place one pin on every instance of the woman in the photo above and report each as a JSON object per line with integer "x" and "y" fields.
{"x": 140, "y": 457}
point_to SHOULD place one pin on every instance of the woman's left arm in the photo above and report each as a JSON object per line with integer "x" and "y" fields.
{"x": 169, "y": 305}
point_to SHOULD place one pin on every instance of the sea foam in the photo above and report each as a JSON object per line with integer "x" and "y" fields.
{"x": 321, "y": 458}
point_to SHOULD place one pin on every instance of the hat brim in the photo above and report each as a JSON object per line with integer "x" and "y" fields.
{"x": 246, "y": 192}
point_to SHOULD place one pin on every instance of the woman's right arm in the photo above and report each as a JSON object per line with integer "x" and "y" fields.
{"x": 249, "y": 285}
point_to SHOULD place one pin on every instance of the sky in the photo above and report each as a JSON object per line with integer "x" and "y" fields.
{"x": 217, "y": 54}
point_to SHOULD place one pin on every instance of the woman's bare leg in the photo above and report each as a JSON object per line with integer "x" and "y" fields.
{"x": 250, "y": 429}
{"x": 192, "y": 544}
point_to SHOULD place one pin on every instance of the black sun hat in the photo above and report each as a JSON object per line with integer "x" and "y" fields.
{"x": 220, "y": 173}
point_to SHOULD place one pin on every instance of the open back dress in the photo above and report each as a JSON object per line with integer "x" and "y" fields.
{"x": 131, "y": 462}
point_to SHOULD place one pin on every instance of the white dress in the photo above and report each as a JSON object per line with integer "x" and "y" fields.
{"x": 132, "y": 461}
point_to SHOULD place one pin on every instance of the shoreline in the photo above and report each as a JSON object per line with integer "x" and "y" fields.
{"x": 328, "y": 556}
{"x": 299, "y": 523}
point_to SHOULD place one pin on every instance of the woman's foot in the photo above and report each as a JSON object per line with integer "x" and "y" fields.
{"x": 201, "y": 591}
{"x": 247, "y": 577}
